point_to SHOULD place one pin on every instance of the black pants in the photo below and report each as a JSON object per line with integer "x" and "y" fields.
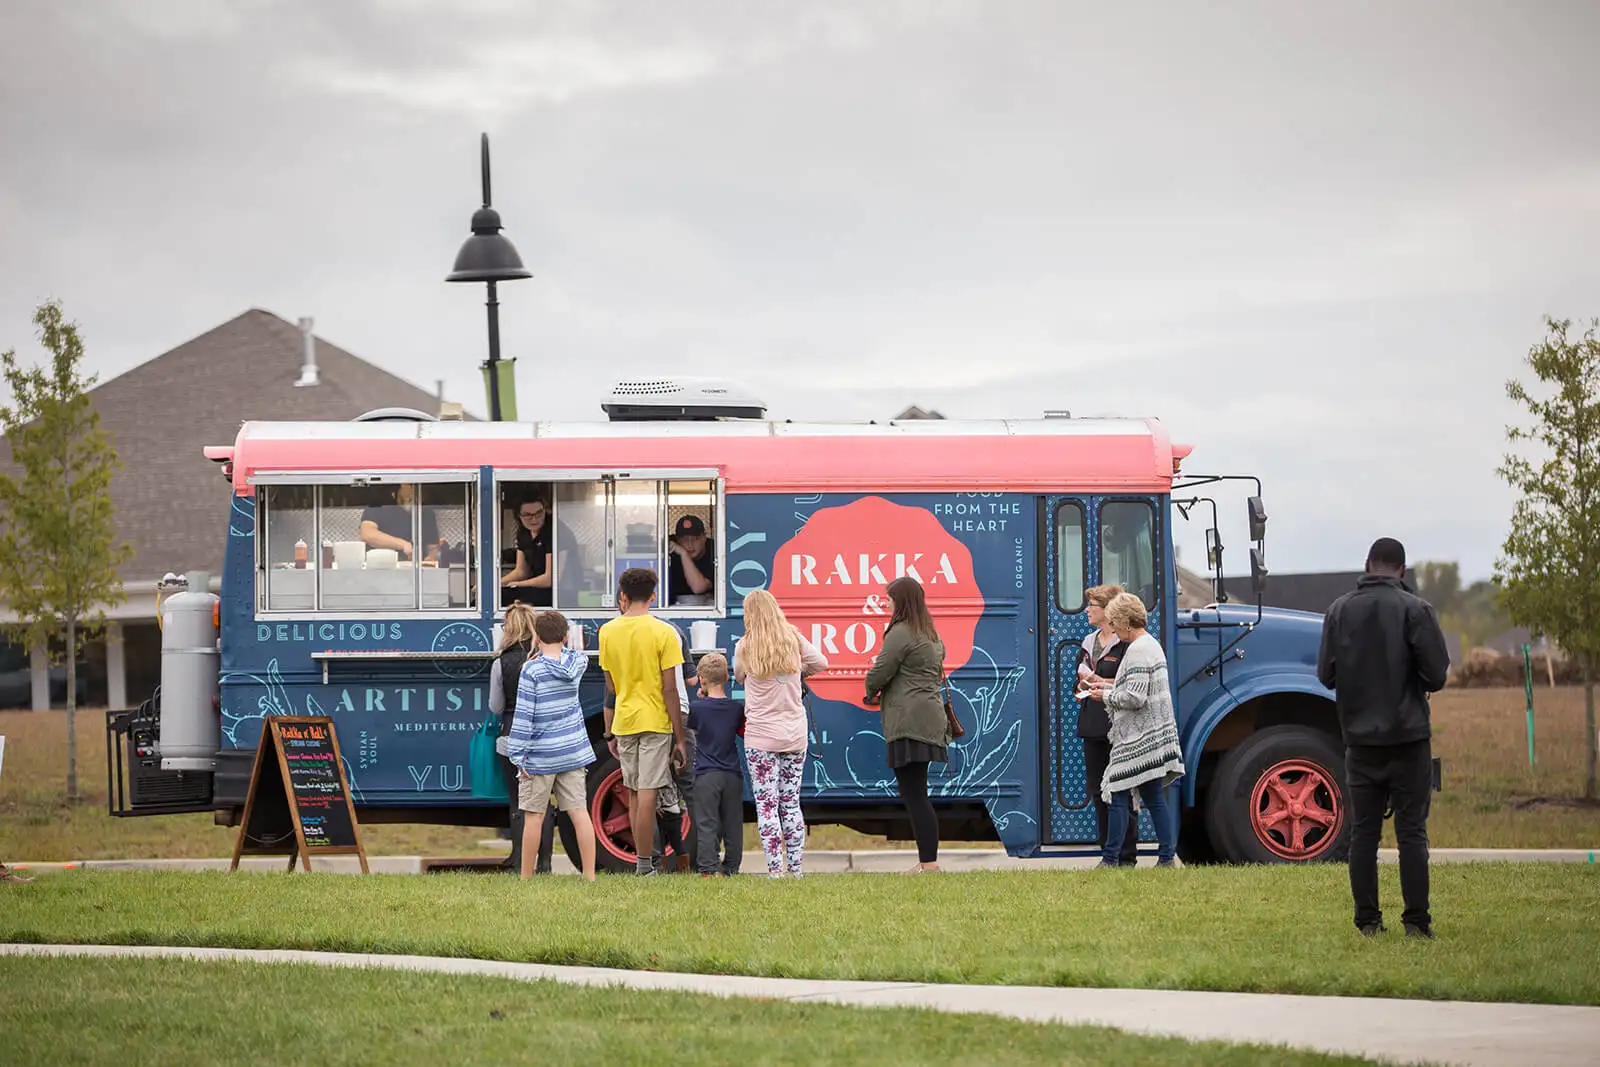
{"x": 547, "y": 842}
{"x": 913, "y": 782}
{"x": 1378, "y": 776}
{"x": 1096, "y": 758}
{"x": 719, "y": 817}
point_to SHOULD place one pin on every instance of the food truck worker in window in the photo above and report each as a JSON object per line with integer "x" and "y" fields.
{"x": 692, "y": 570}
{"x": 529, "y": 582}
{"x": 389, "y": 526}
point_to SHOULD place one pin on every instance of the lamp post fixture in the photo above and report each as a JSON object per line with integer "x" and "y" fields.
{"x": 489, "y": 256}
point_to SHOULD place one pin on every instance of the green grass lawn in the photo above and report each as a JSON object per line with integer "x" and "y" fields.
{"x": 113, "y": 1012}
{"x": 1506, "y": 932}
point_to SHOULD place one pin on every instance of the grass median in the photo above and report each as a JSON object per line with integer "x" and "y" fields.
{"x": 1506, "y": 932}
{"x": 99, "y": 1012}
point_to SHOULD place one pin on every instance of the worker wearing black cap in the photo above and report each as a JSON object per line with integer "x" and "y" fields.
{"x": 692, "y": 570}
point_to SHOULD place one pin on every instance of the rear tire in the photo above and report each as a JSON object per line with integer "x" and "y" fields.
{"x": 1280, "y": 797}
{"x": 613, "y": 832}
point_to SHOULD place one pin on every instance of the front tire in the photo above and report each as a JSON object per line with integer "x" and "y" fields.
{"x": 1280, "y": 797}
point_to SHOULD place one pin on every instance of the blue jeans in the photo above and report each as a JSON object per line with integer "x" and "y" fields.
{"x": 1163, "y": 810}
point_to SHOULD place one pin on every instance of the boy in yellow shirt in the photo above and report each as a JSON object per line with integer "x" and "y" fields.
{"x": 640, "y": 655}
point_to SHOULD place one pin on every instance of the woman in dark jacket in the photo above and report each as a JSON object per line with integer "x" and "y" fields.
{"x": 905, "y": 683}
{"x": 1100, "y": 656}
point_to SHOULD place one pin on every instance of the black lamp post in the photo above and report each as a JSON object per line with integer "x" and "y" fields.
{"x": 488, "y": 256}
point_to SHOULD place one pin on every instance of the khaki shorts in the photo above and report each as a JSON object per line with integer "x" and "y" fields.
{"x": 646, "y": 760}
{"x": 571, "y": 790}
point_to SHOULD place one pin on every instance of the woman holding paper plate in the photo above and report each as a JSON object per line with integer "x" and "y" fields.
{"x": 1100, "y": 656}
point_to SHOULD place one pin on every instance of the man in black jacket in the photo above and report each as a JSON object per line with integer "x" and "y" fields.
{"x": 1383, "y": 653}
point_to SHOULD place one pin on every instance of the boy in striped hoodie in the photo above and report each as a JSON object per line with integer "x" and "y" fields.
{"x": 548, "y": 741}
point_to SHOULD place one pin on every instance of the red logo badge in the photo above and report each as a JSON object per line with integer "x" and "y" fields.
{"x": 832, "y": 575}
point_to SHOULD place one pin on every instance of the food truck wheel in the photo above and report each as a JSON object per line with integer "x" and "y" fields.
{"x": 608, "y": 810}
{"x": 1279, "y": 797}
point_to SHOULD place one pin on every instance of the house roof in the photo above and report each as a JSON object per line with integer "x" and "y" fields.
{"x": 171, "y": 502}
{"x": 1194, "y": 590}
{"x": 1301, "y": 592}
{"x": 917, "y": 412}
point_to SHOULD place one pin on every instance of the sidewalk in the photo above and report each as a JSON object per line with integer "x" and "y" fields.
{"x": 1405, "y": 1031}
{"x": 875, "y": 861}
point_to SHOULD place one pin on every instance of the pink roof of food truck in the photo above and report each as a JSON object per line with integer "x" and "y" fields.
{"x": 1104, "y": 455}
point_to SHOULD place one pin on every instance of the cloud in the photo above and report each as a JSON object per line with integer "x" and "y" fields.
{"x": 1314, "y": 242}
{"x": 503, "y": 78}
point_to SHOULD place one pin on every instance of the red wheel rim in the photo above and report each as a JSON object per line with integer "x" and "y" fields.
{"x": 608, "y": 809}
{"x": 1296, "y": 810}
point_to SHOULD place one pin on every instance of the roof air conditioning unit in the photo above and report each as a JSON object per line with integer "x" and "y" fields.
{"x": 395, "y": 415}
{"x": 681, "y": 400}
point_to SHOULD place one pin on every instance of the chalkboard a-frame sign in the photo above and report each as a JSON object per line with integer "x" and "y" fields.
{"x": 299, "y": 799}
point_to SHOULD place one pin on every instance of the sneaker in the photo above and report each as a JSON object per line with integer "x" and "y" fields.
{"x": 651, "y": 873}
{"x": 1373, "y": 929}
{"x": 1107, "y": 865}
{"x": 1423, "y": 932}
{"x": 1173, "y": 862}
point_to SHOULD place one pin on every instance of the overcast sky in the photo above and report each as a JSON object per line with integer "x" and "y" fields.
{"x": 1313, "y": 239}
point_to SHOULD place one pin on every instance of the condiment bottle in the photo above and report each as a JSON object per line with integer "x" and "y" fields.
{"x": 300, "y": 554}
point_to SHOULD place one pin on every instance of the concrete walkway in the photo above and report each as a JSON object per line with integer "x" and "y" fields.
{"x": 1403, "y": 1031}
{"x": 818, "y": 862}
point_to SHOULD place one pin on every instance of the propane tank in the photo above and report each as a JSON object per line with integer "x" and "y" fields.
{"x": 190, "y": 675}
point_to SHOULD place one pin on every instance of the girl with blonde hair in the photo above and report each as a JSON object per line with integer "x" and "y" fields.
{"x": 516, "y": 645}
{"x": 770, "y": 661}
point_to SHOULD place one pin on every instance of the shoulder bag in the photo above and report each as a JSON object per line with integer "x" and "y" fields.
{"x": 488, "y": 783}
{"x": 957, "y": 731}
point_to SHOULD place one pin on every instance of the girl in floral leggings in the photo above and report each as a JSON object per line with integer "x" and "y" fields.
{"x": 770, "y": 661}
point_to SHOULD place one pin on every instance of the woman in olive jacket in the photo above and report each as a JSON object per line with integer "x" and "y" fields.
{"x": 905, "y": 682}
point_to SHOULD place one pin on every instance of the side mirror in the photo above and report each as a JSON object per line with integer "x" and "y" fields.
{"x": 1258, "y": 572}
{"x": 1258, "y": 519}
{"x": 1213, "y": 549}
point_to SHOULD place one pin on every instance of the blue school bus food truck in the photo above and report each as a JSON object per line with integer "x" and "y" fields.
{"x": 365, "y": 562}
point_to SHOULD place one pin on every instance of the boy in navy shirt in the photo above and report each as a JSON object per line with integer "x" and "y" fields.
{"x": 718, "y": 806}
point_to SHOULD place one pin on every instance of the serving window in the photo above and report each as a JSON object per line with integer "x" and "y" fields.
{"x": 360, "y": 546}
{"x": 565, "y": 541}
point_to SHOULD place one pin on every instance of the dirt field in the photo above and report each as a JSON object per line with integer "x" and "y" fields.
{"x": 1490, "y": 799}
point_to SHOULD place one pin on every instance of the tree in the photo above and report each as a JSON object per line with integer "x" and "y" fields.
{"x": 1549, "y": 572}
{"x": 1440, "y": 585}
{"x": 1474, "y": 613}
{"x": 59, "y": 550}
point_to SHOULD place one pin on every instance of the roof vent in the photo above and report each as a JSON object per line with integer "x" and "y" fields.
{"x": 395, "y": 415}
{"x": 308, "y": 371}
{"x": 681, "y": 400}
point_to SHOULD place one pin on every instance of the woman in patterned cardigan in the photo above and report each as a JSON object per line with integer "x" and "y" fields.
{"x": 1145, "y": 754}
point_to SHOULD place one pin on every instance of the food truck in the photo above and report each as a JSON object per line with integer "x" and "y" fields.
{"x": 1005, "y": 523}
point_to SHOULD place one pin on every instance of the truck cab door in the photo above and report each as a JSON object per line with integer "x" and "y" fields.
{"x": 1088, "y": 541}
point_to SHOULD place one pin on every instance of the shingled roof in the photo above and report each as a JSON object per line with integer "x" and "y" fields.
{"x": 171, "y": 502}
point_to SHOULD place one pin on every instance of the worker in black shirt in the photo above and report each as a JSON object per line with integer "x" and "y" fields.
{"x": 692, "y": 568}
{"x": 389, "y": 526}
{"x": 1383, "y": 653}
{"x": 529, "y": 582}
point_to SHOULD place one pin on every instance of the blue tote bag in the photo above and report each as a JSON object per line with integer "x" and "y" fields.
{"x": 488, "y": 783}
